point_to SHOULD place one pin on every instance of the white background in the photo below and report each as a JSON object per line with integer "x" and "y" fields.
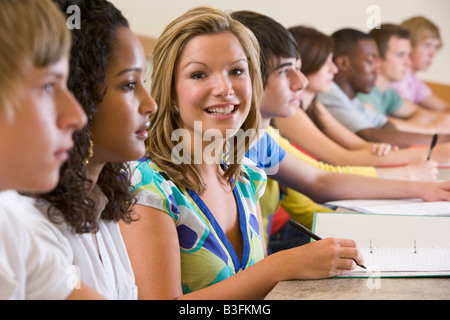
{"x": 149, "y": 17}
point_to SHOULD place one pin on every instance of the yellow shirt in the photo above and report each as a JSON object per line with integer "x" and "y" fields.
{"x": 286, "y": 145}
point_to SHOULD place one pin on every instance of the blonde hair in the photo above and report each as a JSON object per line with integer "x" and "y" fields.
{"x": 32, "y": 34}
{"x": 421, "y": 28}
{"x": 198, "y": 21}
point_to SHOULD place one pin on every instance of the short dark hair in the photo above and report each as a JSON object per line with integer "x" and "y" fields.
{"x": 274, "y": 40}
{"x": 345, "y": 40}
{"x": 385, "y": 33}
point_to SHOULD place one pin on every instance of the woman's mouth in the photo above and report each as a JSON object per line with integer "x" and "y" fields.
{"x": 221, "y": 111}
{"x": 62, "y": 155}
{"x": 143, "y": 132}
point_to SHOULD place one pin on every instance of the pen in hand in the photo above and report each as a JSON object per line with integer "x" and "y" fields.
{"x": 433, "y": 143}
{"x": 310, "y": 234}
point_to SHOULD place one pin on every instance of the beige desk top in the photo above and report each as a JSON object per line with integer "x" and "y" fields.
{"x": 436, "y": 288}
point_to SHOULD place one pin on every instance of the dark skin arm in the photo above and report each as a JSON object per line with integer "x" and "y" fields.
{"x": 389, "y": 134}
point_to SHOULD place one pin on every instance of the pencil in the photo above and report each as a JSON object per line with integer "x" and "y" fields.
{"x": 311, "y": 234}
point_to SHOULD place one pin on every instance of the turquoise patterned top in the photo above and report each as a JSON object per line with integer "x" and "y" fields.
{"x": 207, "y": 256}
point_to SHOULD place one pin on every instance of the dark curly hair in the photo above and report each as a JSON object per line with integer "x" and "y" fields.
{"x": 92, "y": 47}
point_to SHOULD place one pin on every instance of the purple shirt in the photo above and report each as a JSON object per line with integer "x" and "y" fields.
{"x": 412, "y": 88}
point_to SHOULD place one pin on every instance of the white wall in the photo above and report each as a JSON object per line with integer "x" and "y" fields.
{"x": 149, "y": 17}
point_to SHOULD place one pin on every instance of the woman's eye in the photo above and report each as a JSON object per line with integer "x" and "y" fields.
{"x": 238, "y": 71}
{"x": 130, "y": 86}
{"x": 197, "y": 76}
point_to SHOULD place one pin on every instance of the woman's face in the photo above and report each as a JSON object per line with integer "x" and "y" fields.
{"x": 35, "y": 143}
{"x": 320, "y": 80}
{"x": 213, "y": 88}
{"x": 423, "y": 54}
{"x": 119, "y": 126}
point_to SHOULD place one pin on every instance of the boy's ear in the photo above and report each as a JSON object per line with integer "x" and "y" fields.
{"x": 342, "y": 63}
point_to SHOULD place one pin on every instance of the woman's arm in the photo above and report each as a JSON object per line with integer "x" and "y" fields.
{"x": 152, "y": 244}
{"x": 335, "y": 130}
{"x": 433, "y": 102}
{"x": 324, "y": 186}
{"x": 85, "y": 293}
{"x": 303, "y": 132}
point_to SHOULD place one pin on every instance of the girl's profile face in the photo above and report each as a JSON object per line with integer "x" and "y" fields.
{"x": 320, "y": 80}
{"x": 212, "y": 83}
{"x": 121, "y": 121}
{"x": 36, "y": 142}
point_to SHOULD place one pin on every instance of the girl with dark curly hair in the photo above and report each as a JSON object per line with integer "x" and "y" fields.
{"x": 107, "y": 77}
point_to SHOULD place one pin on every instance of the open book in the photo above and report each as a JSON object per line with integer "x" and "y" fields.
{"x": 392, "y": 245}
{"x": 401, "y": 206}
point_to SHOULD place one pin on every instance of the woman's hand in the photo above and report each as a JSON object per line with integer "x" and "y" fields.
{"x": 383, "y": 149}
{"x": 321, "y": 259}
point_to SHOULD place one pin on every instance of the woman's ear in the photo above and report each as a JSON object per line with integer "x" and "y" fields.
{"x": 175, "y": 109}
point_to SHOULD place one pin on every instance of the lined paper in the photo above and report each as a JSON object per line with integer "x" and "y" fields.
{"x": 401, "y": 245}
{"x": 404, "y": 207}
{"x": 407, "y": 259}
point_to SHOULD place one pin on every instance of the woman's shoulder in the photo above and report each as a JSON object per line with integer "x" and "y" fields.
{"x": 251, "y": 171}
{"x": 153, "y": 187}
{"x": 144, "y": 172}
{"x": 254, "y": 177}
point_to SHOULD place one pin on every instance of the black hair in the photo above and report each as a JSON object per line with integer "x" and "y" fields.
{"x": 93, "y": 44}
{"x": 345, "y": 40}
{"x": 274, "y": 40}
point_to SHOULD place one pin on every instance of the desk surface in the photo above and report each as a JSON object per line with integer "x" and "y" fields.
{"x": 434, "y": 288}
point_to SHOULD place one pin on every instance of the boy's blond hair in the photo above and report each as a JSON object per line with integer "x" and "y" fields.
{"x": 421, "y": 28}
{"x": 32, "y": 34}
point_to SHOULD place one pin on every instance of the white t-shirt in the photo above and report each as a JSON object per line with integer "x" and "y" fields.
{"x": 34, "y": 255}
{"x": 101, "y": 258}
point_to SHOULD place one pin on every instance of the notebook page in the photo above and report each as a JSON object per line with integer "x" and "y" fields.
{"x": 406, "y": 207}
{"x": 407, "y": 259}
{"x": 385, "y": 231}
{"x": 414, "y": 208}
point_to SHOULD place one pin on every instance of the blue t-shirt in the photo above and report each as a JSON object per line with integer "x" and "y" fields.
{"x": 267, "y": 154}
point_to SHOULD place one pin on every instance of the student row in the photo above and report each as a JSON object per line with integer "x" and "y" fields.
{"x": 71, "y": 227}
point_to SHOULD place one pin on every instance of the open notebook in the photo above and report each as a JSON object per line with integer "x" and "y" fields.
{"x": 392, "y": 245}
{"x": 401, "y": 206}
